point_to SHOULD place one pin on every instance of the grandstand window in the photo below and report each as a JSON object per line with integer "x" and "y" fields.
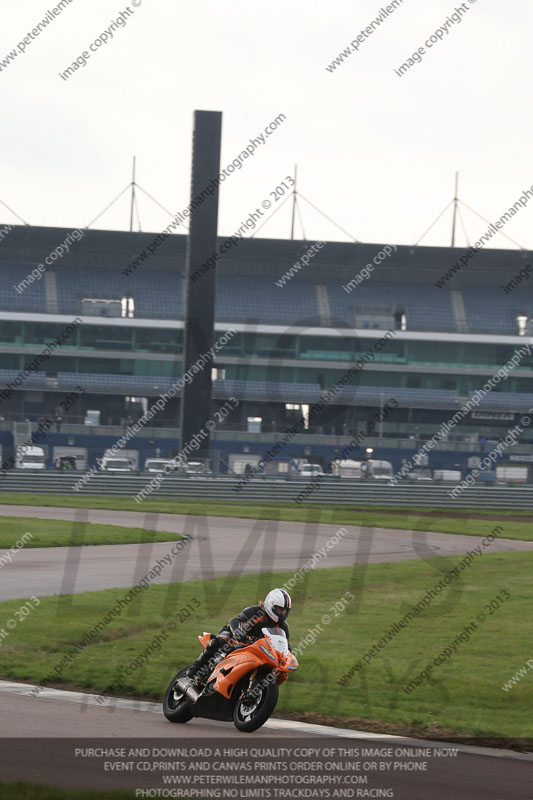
{"x": 153, "y": 368}
{"x": 480, "y": 355}
{"x": 11, "y": 361}
{"x": 148, "y": 340}
{"x": 41, "y": 332}
{"x": 125, "y": 366}
{"x": 366, "y": 345}
{"x": 434, "y": 353}
{"x": 10, "y": 332}
{"x": 268, "y": 346}
{"x": 106, "y": 337}
{"x": 235, "y": 346}
{"x": 326, "y": 348}
{"x": 103, "y": 366}
{"x": 319, "y": 348}
{"x": 51, "y": 366}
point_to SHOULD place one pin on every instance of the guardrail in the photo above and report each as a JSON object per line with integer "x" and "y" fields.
{"x": 274, "y": 490}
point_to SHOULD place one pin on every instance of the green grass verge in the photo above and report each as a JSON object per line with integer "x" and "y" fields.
{"x": 419, "y": 519}
{"x": 59, "y": 533}
{"x": 464, "y": 695}
{"x": 29, "y": 791}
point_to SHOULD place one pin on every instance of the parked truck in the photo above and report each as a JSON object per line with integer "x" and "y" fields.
{"x": 117, "y": 465}
{"x": 511, "y": 474}
{"x": 449, "y": 475}
{"x": 373, "y": 468}
{"x": 156, "y": 464}
{"x": 31, "y": 458}
{"x": 306, "y": 470}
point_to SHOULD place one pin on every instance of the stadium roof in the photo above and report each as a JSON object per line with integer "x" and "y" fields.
{"x": 28, "y": 246}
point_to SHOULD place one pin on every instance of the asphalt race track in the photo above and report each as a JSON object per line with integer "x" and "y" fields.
{"x": 40, "y": 730}
{"x": 217, "y": 546}
{"x": 474, "y": 774}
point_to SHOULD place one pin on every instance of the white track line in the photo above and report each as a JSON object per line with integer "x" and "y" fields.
{"x": 25, "y": 689}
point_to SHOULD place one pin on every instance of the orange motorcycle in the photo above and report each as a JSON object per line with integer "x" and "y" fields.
{"x": 242, "y": 686}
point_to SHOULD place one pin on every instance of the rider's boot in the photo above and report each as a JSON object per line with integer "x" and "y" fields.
{"x": 199, "y": 670}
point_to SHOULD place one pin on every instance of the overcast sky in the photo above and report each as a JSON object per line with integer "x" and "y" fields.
{"x": 376, "y": 152}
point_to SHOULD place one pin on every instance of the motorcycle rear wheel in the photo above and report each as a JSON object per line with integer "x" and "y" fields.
{"x": 249, "y": 715}
{"x": 175, "y": 706}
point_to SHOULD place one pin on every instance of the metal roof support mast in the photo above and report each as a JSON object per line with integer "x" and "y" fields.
{"x": 132, "y": 194}
{"x": 294, "y": 195}
{"x": 455, "y": 204}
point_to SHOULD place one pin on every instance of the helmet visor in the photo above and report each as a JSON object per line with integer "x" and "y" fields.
{"x": 281, "y": 612}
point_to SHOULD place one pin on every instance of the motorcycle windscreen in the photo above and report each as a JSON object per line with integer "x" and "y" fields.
{"x": 278, "y": 639}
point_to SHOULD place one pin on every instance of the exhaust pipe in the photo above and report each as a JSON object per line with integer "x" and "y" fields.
{"x": 188, "y": 687}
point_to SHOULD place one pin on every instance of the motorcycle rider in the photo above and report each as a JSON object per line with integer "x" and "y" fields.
{"x": 245, "y": 628}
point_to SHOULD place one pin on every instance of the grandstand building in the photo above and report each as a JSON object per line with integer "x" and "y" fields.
{"x": 446, "y": 333}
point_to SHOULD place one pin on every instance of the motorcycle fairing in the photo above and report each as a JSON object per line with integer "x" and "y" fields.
{"x": 269, "y": 653}
{"x": 205, "y": 639}
{"x": 290, "y": 662}
{"x": 238, "y": 663}
{"x": 235, "y": 666}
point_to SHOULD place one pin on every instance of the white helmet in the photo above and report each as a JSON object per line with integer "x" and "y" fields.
{"x": 278, "y": 604}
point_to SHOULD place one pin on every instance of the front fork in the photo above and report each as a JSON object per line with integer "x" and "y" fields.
{"x": 249, "y": 691}
{"x": 253, "y": 673}
{"x": 246, "y": 692}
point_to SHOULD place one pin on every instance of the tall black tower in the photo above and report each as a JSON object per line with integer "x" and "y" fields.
{"x": 200, "y": 294}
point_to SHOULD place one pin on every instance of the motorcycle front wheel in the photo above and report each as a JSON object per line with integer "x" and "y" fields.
{"x": 175, "y": 706}
{"x": 249, "y": 714}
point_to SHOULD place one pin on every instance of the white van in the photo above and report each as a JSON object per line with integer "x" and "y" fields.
{"x": 117, "y": 465}
{"x": 373, "y": 468}
{"x": 381, "y": 470}
{"x": 31, "y": 458}
{"x": 447, "y": 475}
{"x": 511, "y": 473}
{"x": 156, "y": 464}
{"x": 195, "y": 468}
{"x": 309, "y": 470}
